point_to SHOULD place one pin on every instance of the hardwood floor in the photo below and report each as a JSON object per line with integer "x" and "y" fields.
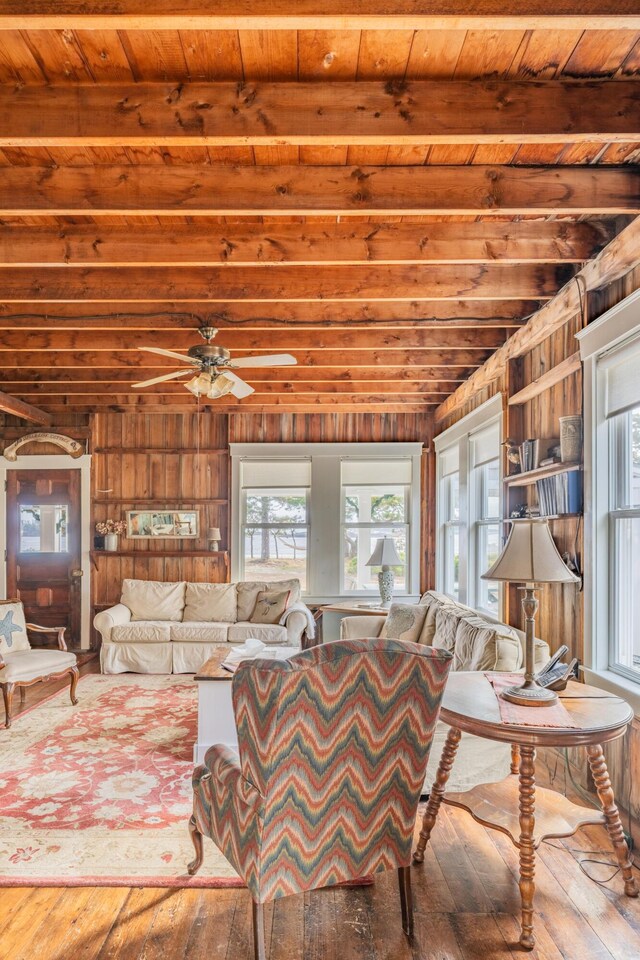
{"x": 465, "y": 895}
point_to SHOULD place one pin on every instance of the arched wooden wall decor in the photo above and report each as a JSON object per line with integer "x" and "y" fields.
{"x": 70, "y": 446}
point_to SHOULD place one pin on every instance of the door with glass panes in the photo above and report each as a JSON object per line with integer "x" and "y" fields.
{"x": 43, "y": 548}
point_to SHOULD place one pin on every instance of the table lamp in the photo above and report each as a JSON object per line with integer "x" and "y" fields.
{"x": 213, "y": 536}
{"x": 385, "y": 555}
{"x": 530, "y": 556}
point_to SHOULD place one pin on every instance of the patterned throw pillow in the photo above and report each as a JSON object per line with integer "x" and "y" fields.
{"x": 13, "y": 628}
{"x": 404, "y": 621}
{"x": 270, "y": 605}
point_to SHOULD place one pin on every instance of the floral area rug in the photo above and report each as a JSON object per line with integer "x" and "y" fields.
{"x": 100, "y": 793}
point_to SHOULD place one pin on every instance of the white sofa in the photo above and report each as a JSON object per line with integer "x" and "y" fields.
{"x": 477, "y": 643}
{"x": 174, "y": 627}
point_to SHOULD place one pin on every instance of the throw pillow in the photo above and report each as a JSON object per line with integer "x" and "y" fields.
{"x": 476, "y": 645}
{"x": 207, "y": 602}
{"x": 447, "y": 620}
{"x": 404, "y": 621}
{"x": 13, "y": 628}
{"x": 248, "y": 591}
{"x": 270, "y": 605}
{"x": 153, "y": 599}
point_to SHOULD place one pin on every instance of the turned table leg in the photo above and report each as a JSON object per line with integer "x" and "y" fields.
{"x": 437, "y": 792}
{"x": 526, "y": 845}
{"x": 612, "y": 816}
{"x": 515, "y": 758}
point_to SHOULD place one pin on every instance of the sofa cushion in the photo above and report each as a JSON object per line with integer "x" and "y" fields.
{"x": 476, "y": 645}
{"x": 404, "y": 621}
{"x": 434, "y": 601}
{"x": 13, "y": 628}
{"x": 211, "y": 601}
{"x": 199, "y": 632}
{"x": 248, "y": 594}
{"x": 25, "y": 665}
{"x": 446, "y": 624}
{"x": 268, "y": 633}
{"x": 153, "y": 599}
{"x": 147, "y": 631}
{"x": 270, "y": 606}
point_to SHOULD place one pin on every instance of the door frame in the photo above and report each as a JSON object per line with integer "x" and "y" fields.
{"x": 57, "y": 462}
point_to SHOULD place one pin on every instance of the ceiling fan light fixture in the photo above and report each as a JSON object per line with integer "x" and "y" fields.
{"x": 220, "y": 386}
{"x": 199, "y": 385}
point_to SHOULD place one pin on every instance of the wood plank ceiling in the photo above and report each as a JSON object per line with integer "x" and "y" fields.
{"x": 383, "y": 192}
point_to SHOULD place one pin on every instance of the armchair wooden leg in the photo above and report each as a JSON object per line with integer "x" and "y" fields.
{"x": 196, "y": 839}
{"x": 7, "y": 693}
{"x": 406, "y": 900}
{"x": 74, "y": 683}
{"x": 259, "y": 952}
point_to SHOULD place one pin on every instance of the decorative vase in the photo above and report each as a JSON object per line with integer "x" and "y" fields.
{"x": 111, "y": 541}
{"x": 570, "y": 439}
{"x": 385, "y": 585}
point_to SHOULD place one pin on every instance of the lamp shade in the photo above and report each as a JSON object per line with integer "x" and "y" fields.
{"x": 530, "y": 556}
{"x": 384, "y": 554}
{"x": 213, "y": 533}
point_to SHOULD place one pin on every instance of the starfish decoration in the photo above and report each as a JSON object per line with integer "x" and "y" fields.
{"x": 7, "y": 628}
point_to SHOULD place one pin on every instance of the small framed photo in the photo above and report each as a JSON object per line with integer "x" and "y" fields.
{"x": 168, "y": 524}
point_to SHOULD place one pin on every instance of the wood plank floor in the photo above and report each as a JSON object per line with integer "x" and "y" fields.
{"x": 466, "y": 908}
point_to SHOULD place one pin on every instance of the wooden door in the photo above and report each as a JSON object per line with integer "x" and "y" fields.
{"x": 43, "y": 548}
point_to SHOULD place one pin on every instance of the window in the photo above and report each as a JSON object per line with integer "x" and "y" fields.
{"x": 375, "y": 503}
{"x": 275, "y": 519}
{"x": 316, "y": 512}
{"x": 468, "y": 510}
{"x": 610, "y": 349}
{"x": 43, "y": 529}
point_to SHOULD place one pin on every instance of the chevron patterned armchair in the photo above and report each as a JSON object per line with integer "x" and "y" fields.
{"x": 334, "y": 745}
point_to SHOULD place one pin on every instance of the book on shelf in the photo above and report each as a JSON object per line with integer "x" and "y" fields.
{"x": 560, "y": 494}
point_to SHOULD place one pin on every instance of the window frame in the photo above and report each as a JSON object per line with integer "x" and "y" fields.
{"x": 272, "y": 526}
{"x": 478, "y": 523}
{"x": 389, "y": 525}
{"x": 616, "y": 327}
{"x": 325, "y": 560}
{"x": 461, "y": 436}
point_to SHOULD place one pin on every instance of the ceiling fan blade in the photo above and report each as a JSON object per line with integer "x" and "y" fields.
{"x": 170, "y": 353}
{"x": 241, "y": 389}
{"x": 274, "y": 360}
{"x": 166, "y": 376}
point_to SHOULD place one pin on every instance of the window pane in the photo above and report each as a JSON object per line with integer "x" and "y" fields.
{"x": 635, "y": 457}
{"x": 43, "y": 529}
{"x": 452, "y": 560}
{"x": 488, "y": 551}
{"x": 275, "y": 553}
{"x": 276, "y": 506}
{"x": 377, "y": 504}
{"x": 626, "y": 651}
{"x": 359, "y": 543}
{"x": 491, "y": 490}
{"x": 452, "y": 497}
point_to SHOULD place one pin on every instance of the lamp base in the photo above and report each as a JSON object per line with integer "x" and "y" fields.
{"x": 385, "y": 586}
{"x": 529, "y": 695}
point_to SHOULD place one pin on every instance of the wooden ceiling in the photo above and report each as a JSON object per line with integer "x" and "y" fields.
{"x": 385, "y": 190}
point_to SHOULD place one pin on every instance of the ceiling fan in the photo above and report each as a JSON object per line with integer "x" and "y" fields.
{"x": 214, "y": 377}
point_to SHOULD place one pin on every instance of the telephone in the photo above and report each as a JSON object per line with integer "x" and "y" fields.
{"x": 555, "y": 675}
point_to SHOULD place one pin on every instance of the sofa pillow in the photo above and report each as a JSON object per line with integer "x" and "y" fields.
{"x": 211, "y": 601}
{"x": 446, "y": 624}
{"x": 476, "y": 645}
{"x": 153, "y": 599}
{"x": 270, "y": 605}
{"x": 433, "y": 601}
{"x": 248, "y": 594}
{"x": 404, "y": 622}
{"x": 13, "y": 628}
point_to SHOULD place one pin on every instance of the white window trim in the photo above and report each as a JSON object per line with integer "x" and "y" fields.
{"x": 611, "y": 329}
{"x": 325, "y": 544}
{"x": 491, "y": 411}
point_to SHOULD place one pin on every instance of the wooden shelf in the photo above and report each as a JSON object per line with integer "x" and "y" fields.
{"x": 158, "y": 554}
{"x": 172, "y": 451}
{"x": 525, "y": 479}
{"x": 549, "y": 379}
{"x": 552, "y": 516}
{"x": 186, "y": 502}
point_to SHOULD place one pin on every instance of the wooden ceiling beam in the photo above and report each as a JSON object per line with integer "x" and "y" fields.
{"x": 319, "y": 15}
{"x": 187, "y": 189}
{"x": 307, "y": 114}
{"x": 251, "y": 244}
{"x": 171, "y": 315}
{"x": 18, "y": 408}
{"x": 266, "y": 283}
{"x": 619, "y": 257}
{"x": 435, "y": 389}
{"x": 208, "y": 408}
{"x": 271, "y": 341}
{"x": 346, "y": 359}
{"x": 13, "y": 377}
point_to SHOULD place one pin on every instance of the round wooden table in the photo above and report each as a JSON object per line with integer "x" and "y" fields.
{"x": 514, "y": 806}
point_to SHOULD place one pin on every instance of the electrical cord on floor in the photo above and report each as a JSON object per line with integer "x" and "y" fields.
{"x": 593, "y": 853}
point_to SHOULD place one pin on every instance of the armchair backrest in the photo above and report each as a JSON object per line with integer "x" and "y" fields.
{"x": 337, "y": 741}
{"x": 13, "y": 627}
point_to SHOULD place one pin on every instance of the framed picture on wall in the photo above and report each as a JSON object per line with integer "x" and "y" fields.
{"x": 169, "y": 524}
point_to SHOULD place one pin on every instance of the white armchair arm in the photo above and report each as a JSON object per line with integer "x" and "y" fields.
{"x": 113, "y": 617}
{"x": 359, "y": 628}
{"x": 296, "y": 624}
